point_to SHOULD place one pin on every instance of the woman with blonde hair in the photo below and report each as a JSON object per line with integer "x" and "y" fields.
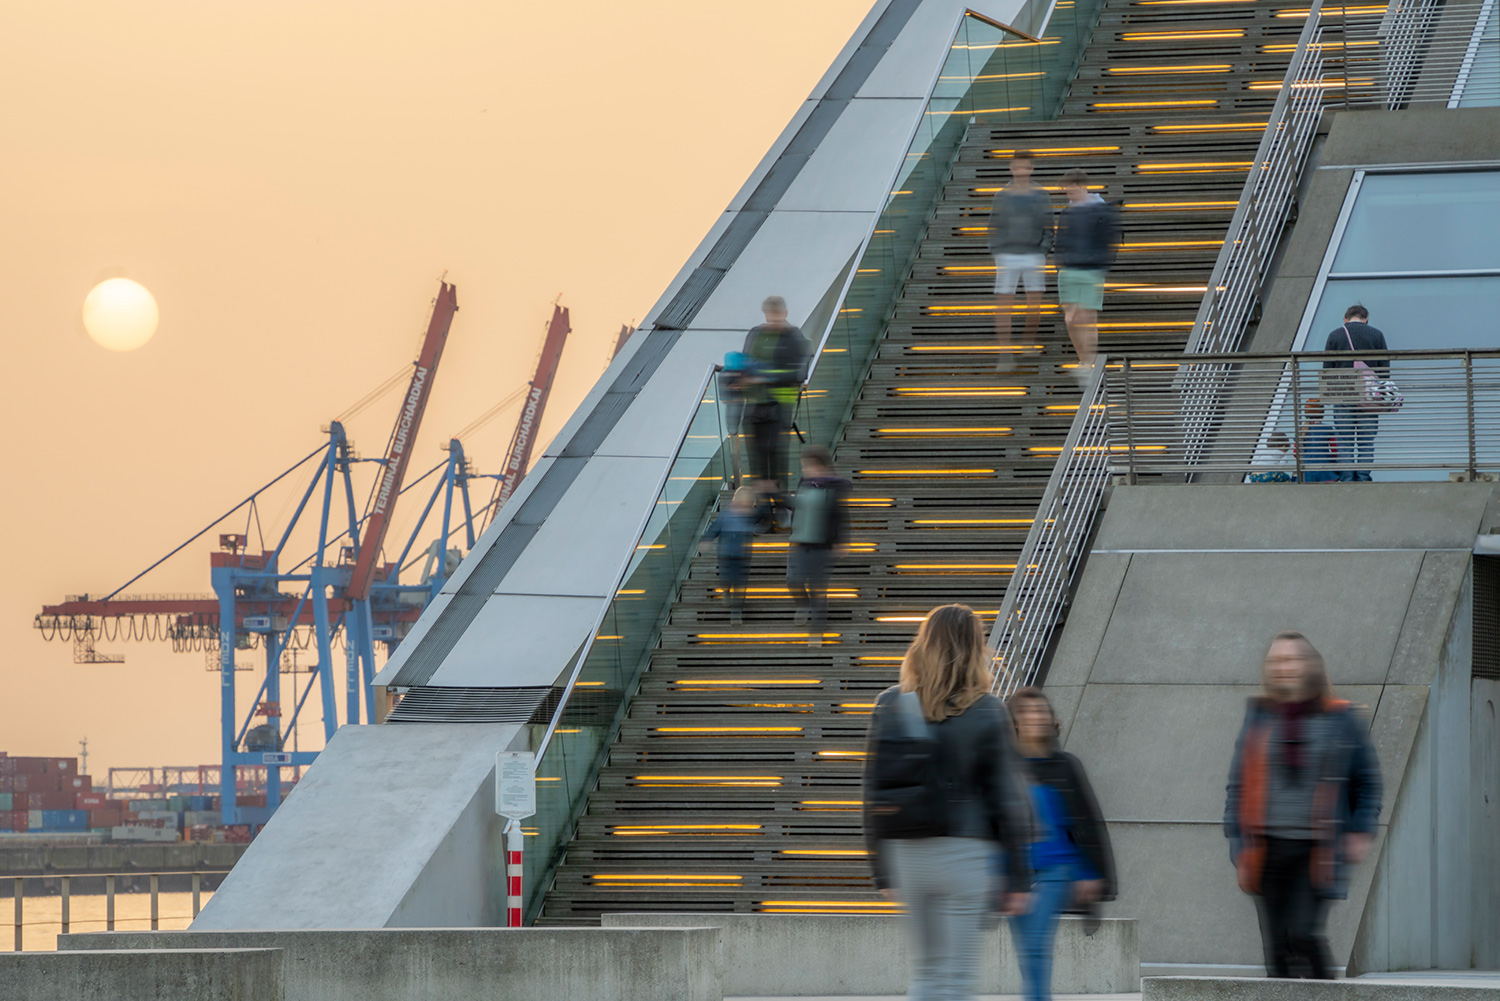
{"x": 943, "y": 795}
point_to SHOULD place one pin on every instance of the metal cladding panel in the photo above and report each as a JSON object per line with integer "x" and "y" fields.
{"x": 645, "y": 430}
{"x": 591, "y": 532}
{"x": 796, "y": 255}
{"x": 429, "y": 704}
{"x": 413, "y": 640}
{"x": 519, "y": 640}
{"x": 549, "y": 491}
{"x": 851, "y": 175}
{"x": 445, "y": 631}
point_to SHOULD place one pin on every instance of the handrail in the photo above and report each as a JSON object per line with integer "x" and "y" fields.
{"x": 1044, "y": 571}
{"x": 18, "y": 893}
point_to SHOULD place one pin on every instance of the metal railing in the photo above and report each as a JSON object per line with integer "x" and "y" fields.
{"x": 1044, "y": 571}
{"x": 65, "y": 893}
{"x": 1284, "y": 417}
{"x": 1395, "y": 55}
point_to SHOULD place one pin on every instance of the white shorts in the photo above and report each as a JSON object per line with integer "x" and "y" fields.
{"x": 1018, "y": 269}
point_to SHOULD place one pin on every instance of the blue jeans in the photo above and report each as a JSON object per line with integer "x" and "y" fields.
{"x": 1356, "y": 434}
{"x": 1034, "y": 931}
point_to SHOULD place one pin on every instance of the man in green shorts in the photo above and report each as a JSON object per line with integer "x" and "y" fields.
{"x": 1087, "y": 232}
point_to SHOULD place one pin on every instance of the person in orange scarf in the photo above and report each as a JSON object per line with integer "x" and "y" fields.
{"x": 1303, "y": 801}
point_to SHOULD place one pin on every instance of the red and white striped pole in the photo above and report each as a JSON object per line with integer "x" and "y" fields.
{"x": 515, "y": 843}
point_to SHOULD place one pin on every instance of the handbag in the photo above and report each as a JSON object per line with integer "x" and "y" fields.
{"x": 1376, "y": 395}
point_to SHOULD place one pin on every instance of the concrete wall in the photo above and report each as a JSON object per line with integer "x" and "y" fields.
{"x": 1180, "y": 596}
{"x": 436, "y": 964}
{"x": 1231, "y": 989}
{"x": 787, "y": 955}
{"x": 1484, "y": 836}
{"x": 391, "y": 826}
{"x": 157, "y": 975}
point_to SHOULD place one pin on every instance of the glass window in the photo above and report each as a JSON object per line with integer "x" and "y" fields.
{"x": 1447, "y": 221}
{"x": 1414, "y": 313}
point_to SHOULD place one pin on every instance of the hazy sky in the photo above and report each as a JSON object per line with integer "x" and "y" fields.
{"x": 290, "y": 180}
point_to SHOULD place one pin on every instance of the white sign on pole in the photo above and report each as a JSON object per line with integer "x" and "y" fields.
{"x": 515, "y": 784}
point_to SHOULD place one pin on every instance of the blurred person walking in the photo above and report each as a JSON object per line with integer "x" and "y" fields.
{"x": 1073, "y": 863}
{"x": 944, "y": 795}
{"x": 1301, "y": 805}
{"x": 820, "y": 522}
{"x": 1021, "y": 229}
{"x": 733, "y": 385}
{"x": 778, "y": 355}
{"x": 735, "y": 528}
{"x": 1087, "y": 233}
{"x": 1353, "y": 419}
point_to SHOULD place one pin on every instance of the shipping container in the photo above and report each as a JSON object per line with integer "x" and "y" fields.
{"x": 104, "y": 818}
{"x": 7, "y": 783}
{"x": 34, "y": 819}
{"x": 5, "y": 802}
{"x": 27, "y": 766}
{"x": 245, "y": 799}
{"x": 168, "y": 817}
{"x": 63, "y": 766}
{"x": 51, "y": 800}
{"x": 78, "y": 783}
{"x": 20, "y": 821}
{"x": 201, "y": 803}
{"x": 148, "y": 805}
{"x": 92, "y": 801}
{"x": 34, "y": 782}
{"x": 179, "y": 803}
{"x": 65, "y": 820}
{"x": 135, "y": 832}
{"x": 5, "y": 820}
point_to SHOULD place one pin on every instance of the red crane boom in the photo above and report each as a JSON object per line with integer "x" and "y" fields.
{"x": 403, "y": 438}
{"x": 536, "y": 402}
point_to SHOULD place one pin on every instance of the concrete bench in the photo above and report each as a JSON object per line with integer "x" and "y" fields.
{"x": 143, "y": 975}
{"x": 785, "y": 955}
{"x": 1358, "y": 989}
{"x": 466, "y": 964}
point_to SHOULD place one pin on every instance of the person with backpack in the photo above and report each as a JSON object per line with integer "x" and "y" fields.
{"x": 777, "y": 356}
{"x": 1071, "y": 858}
{"x": 1088, "y": 232}
{"x": 1301, "y": 805}
{"x": 1353, "y": 420}
{"x": 820, "y": 522}
{"x": 944, "y": 796}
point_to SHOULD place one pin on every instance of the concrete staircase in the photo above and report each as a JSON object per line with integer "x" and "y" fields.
{"x": 735, "y": 783}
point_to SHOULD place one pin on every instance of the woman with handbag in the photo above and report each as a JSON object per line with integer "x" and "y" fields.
{"x": 943, "y": 795}
{"x": 1071, "y": 858}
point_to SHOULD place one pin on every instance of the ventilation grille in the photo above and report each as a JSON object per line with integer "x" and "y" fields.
{"x": 1487, "y": 617}
{"x": 474, "y": 705}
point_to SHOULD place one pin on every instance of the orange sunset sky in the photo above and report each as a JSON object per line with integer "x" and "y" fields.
{"x": 289, "y": 180}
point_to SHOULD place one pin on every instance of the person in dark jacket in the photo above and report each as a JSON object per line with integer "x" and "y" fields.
{"x": 778, "y": 356}
{"x": 735, "y": 528}
{"x": 947, "y": 880}
{"x": 1072, "y": 863}
{"x": 1301, "y": 807}
{"x": 1088, "y": 231}
{"x": 820, "y": 523}
{"x": 1021, "y": 229}
{"x": 1355, "y": 425}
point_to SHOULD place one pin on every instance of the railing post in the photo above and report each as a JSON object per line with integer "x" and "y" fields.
{"x": 155, "y": 894}
{"x": 1469, "y": 394}
{"x": 19, "y": 884}
{"x": 1297, "y": 417}
{"x": 109, "y": 903}
{"x": 1129, "y": 424}
{"x": 66, "y": 901}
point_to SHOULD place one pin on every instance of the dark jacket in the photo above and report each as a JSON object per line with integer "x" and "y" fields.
{"x": 734, "y": 530}
{"x": 1021, "y": 222}
{"x": 978, "y": 747}
{"x": 1365, "y": 338}
{"x": 836, "y": 528}
{"x": 779, "y": 364}
{"x": 1087, "y": 235}
{"x": 1346, "y": 801}
{"x": 1064, "y": 772}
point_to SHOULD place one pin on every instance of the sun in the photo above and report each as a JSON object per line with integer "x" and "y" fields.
{"x": 119, "y": 314}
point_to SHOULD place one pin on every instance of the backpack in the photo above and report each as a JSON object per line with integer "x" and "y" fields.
{"x": 907, "y": 784}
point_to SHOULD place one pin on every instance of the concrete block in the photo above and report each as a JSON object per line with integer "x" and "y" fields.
{"x": 1207, "y": 618}
{"x": 1334, "y": 516}
{"x": 1240, "y": 989}
{"x": 1393, "y": 731}
{"x": 789, "y": 955}
{"x": 1065, "y": 700}
{"x": 1460, "y": 134}
{"x": 1317, "y": 214}
{"x": 143, "y": 975}
{"x": 1088, "y": 619}
{"x": 1428, "y": 618}
{"x": 467, "y": 964}
{"x": 1283, "y": 314}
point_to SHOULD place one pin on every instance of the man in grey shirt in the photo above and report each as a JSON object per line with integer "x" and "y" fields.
{"x": 1020, "y": 235}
